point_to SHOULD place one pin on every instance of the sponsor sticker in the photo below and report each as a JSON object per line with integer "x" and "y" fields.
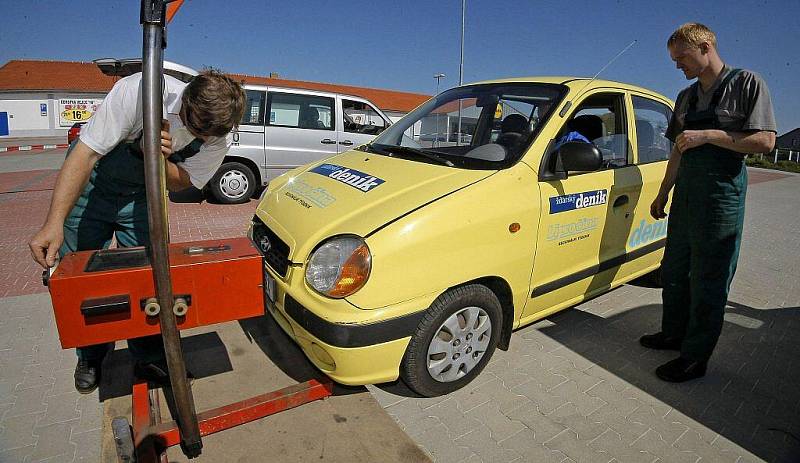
{"x": 574, "y": 201}
{"x": 308, "y": 195}
{"x": 647, "y": 232}
{"x": 560, "y": 231}
{"x": 356, "y": 179}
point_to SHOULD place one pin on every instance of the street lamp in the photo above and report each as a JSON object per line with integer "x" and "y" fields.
{"x": 438, "y": 77}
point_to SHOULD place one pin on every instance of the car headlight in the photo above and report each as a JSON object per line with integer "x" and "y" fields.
{"x": 339, "y": 266}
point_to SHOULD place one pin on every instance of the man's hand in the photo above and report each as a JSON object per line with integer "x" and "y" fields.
{"x": 689, "y": 139}
{"x": 166, "y": 140}
{"x": 45, "y": 244}
{"x": 657, "y": 208}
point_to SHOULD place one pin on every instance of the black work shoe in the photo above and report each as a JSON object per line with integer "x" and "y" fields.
{"x": 155, "y": 373}
{"x": 681, "y": 369}
{"x": 87, "y": 376}
{"x": 660, "y": 341}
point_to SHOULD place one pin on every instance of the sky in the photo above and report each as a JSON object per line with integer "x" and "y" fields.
{"x": 400, "y": 45}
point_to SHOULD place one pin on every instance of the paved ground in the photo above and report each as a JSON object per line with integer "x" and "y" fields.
{"x": 574, "y": 387}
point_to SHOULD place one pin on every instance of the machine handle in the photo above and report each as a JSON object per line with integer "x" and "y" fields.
{"x": 106, "y": 305}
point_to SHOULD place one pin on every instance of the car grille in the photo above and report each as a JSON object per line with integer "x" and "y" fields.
{"x": 274, "y": 250}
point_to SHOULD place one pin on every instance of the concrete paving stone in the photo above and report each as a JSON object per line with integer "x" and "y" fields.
{"x": 91, "y": 411}
{"x": 60, "y": 409}
{"x": 452, "y": 417}
{"x": 626, "y": 430}
{"x": 569, "y": 416}
{"x": 16, "y": 455}
{"x": 612, "y": 380}
{"x": 7, "y": 389}
{"x": 776, "y": 440}
{"x": 615, "y": 399}
{"x": 571, "y": 392}
{"x": 497, "y": 393}
{"x": 442, "y": 448}
{"x": 729, "y": 449}
{"x": 17, "y": 432}
{"x": 63, "y": 382}
{"x": 512, "y": 376}
{"x": 36, "y": 375}
{"x": 524, "y": 443}
{"x": 543, "y": 400}
{"x": 87, "y": 446}
{"x": 667, "y": 430}
{"x": 612, "y": 444}
{"x": 500, "y": 426}
{"x": 567, "y": 443}
{"x": 659, "y": 408}
{"x": 385, "y": 398}
{"x": 53, "y": 440}
{"x": 584, "y": 380}
{"x": 541, "y": 375}
{"x": 692, "y": 441}
{"x": 543, "y": 427}
{"x": 474, "y": 459}
{"x": 28, "y": 401}
{"x": 652, "y": 442}
{"x": 481, "y": 442}
{"x": 417, "y": 428}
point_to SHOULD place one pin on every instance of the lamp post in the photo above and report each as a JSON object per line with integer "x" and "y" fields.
{"x": 438, "y": 77}
{"x": 461, "y": 67}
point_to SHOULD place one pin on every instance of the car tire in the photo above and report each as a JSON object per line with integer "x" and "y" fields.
{"x": 234, "y": 183}
{"x": 454, "y": 341}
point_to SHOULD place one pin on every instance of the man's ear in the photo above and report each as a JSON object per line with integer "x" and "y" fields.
{"x": 705, "y": 47}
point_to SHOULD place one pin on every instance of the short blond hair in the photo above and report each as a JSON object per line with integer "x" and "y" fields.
{"x": 692, "y": 34}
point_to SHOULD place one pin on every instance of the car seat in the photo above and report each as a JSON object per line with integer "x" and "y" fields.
{"x": 588, "y": 125}
{"x": 513, "y": 130}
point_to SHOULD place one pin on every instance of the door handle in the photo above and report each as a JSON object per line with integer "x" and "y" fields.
{"x": 327, "y": 141}
{"x": 621, "y": 201}
{"x": 346, "y": 142}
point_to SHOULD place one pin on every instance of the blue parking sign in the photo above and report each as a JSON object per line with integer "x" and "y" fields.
{"x": 43, "y": 108}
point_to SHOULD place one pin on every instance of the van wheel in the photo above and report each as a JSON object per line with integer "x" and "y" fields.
{"x": 453, "y": 342}
{"x": 233, "y": 183}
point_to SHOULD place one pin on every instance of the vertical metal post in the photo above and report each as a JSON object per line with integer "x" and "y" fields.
{"x": 153, "y": 19}
{"x": 461, "y": 68}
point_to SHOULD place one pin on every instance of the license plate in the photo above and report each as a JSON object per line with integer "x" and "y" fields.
{"x": 269, "y": 286}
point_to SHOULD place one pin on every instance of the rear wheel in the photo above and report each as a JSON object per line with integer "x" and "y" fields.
{"x": 453, "y": 342}
{"x": 233, "y": 183}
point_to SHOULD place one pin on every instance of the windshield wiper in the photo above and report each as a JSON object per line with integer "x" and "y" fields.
{"x": 417, "y": 152}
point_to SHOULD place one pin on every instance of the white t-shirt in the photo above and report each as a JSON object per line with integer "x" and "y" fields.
{"x": 120, "y": 118}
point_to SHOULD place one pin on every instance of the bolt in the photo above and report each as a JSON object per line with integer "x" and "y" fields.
{"x": 475, "y": 355}
{"x": 469, "y": 336}
{"x": 457, "y": 343}
{"x": 456, "y": 356}
{"x": 469, "y": 349}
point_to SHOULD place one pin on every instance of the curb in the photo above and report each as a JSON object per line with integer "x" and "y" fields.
{"x": 33, "y": 147}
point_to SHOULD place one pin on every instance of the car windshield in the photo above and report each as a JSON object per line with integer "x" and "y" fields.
{"x": 485, "y": 126}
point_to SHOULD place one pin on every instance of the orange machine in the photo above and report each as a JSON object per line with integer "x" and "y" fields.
{"x": 102, "y": 296}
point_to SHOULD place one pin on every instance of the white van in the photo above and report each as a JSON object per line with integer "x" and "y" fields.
{"x": 282, "y": 128}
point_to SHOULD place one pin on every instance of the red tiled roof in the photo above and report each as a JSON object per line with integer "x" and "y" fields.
{"x": 21, "y": 75}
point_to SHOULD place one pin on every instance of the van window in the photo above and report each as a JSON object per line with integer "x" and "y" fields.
{"x": 360, "y": 117}
{"x": 652, "y": 119}
{"x": 300, "y": 111}
{"x": 254, "y": 109}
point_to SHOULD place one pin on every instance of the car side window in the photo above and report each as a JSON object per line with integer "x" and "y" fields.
{"x": 360, "y": 117}
{"x": 652, "y": 119}
{"x": 300, "y": 111}
{"x": 254, "y": 108}
{"x": 600, "y": 120}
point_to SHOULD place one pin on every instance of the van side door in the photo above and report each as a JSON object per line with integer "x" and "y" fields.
{"x": 300, "y": 128}
{"x": 361, "y": 122}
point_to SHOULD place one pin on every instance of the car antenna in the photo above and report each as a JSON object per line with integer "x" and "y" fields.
{"x": 569, "y": 103}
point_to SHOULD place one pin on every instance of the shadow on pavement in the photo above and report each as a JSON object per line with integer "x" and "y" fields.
{"x": 285, "y": 353}
{"x": 750, "y": 393}
{"x": 205, "y": 355}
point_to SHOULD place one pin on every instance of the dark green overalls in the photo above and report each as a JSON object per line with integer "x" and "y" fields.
{"x": 114, "y": 203}
{"x": 703, "y": 235}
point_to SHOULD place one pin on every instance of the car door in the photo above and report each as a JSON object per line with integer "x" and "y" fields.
{"x": 586, "y": 218}
{"x": 248, "y": 139}
{"x": 361, "y": 122}
{"x": 300, "y": 128}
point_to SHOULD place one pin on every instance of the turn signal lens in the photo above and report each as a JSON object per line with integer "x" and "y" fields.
{"x": 339, "y": 267}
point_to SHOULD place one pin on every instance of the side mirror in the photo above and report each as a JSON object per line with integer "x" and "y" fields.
{"x": 579, "y": 156}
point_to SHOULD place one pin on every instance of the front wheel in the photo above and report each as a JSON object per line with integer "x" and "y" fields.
{"x": 233, "y": 183}
{"x": 453, "y": 342}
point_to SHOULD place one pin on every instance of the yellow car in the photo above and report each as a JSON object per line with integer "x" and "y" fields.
{"x": 487, "y": 208}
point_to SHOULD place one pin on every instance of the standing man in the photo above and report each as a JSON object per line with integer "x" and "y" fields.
{"x": 100, "y": 190}
{"x": 724, "y": 115}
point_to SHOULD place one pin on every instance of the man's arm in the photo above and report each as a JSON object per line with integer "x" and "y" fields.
{"x": 177, "y": 178}
{"x": 671, "y": 174}
{"x": 71, "y": 180}
{"x": 742, "y": 142}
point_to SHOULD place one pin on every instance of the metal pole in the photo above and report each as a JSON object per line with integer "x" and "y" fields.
{"x": 153, "y": 17}
{"x": 461, "y": 68}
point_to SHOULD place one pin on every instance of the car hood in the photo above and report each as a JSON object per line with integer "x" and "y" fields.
{"x": 353, "y": 193}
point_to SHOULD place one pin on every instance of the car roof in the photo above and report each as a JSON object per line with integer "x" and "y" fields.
{"x": 576, "y": 83}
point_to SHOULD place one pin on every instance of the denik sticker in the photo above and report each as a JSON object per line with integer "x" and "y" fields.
{"x": 356, "y": 179}
{"x": 578, "y": 201}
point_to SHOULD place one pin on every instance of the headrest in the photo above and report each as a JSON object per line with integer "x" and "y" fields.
{"x": 515, "y": 123}
{"x": 645, "y": 132}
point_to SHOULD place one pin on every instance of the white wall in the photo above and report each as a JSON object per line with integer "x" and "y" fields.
{"x": 26, "y": 114}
